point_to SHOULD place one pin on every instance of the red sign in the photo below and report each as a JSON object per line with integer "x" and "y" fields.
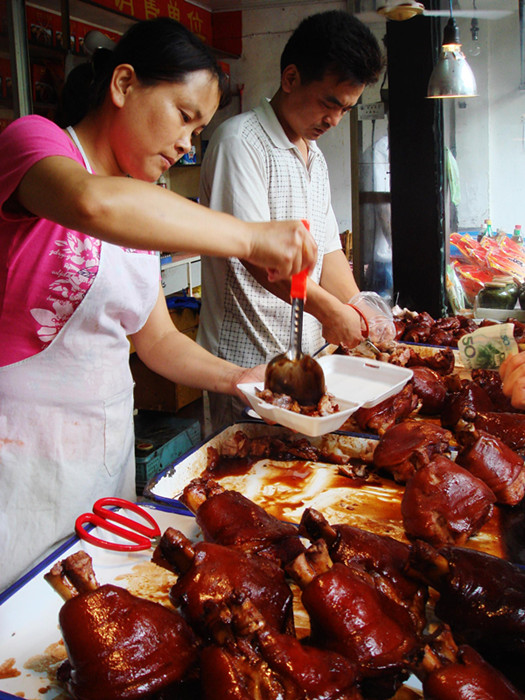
{"x": 227, "y": 31}
{"x": 194, "y": 18}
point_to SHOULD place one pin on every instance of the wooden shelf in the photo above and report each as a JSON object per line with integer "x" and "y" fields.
{"x": 40, "y": 51}
{"x": 81, "y": 11}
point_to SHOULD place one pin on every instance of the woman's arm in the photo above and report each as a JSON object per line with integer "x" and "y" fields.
{"x": 170, "y": 353}
{"x": 141, "y": 215}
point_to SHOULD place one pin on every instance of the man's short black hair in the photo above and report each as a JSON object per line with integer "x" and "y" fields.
{"x": 334, "y": 42}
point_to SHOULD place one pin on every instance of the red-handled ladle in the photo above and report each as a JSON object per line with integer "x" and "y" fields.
{"x": 293, "y": 373}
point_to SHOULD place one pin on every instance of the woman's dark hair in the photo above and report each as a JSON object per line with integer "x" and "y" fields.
{"x": 334, "y": 42}
{"x": 160, "y": 49}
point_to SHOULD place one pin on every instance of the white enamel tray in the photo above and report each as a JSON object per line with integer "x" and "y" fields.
{"x": 29, "y": 609}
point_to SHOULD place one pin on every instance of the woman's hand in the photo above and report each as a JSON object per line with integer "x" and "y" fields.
{"x": 247, "y": 376}
{"x": 512, "y": 372}
{"x": 283, "y": 248}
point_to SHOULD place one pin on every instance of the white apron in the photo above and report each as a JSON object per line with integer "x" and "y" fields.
{"x": 66, "y": 414}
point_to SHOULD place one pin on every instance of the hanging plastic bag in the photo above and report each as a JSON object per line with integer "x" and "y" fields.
{"x": 378, "y": 315}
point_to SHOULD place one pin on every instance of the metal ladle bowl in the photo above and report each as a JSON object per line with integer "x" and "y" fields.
{"x": 293, "y": 373}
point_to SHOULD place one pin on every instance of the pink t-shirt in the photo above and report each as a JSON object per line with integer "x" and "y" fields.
{"x": 46, "y": 268}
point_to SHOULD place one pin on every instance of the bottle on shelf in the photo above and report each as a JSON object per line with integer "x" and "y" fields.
{"x": 516, "y": 236}
{"x": 486, "y": 230}
{"x": 483, "y": 231}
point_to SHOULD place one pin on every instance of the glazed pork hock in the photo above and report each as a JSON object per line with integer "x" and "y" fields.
{"x": 119, "y": 646}
{"x": 211, "y": 573}
{"x": 482, "y": 598}
{"x": 383, "y": 558}
{"x": 431, "y": 390}
{"x": 248, "y": 658}
{"x": 410, "y": 445}
{"x": 449, "y": 671}
{"x": 351, "y": 616}
{"x": 444, "y": 503}
{"x": 228, "y": 518}
{"x": 491, "y": 460}
{"x": 385, "y": 414}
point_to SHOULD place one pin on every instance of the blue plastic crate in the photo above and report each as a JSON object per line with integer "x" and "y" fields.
{"x": 160, "y": 439}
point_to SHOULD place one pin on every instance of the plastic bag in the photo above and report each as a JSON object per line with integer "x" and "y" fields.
{"x": 381, "y": 327}
{"x": 455, "y": 292}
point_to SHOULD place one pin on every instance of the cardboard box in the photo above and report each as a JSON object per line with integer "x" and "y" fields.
{"x": 185, "y": 319}
{"x": 156, "y": 393}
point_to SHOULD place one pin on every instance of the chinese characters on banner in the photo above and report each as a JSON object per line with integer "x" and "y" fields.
{"x": 194, "y": 18}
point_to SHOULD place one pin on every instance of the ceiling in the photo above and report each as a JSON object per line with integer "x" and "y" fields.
{"x": 215, "y": 5}
{"x": 98, "y": 16}
{"x": 248, "y": 4}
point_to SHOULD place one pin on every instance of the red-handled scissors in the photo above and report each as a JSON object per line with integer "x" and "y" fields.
{"x": 138, "y": 533}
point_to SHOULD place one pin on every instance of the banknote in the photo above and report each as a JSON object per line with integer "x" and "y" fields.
{"x": 488, "y": 346}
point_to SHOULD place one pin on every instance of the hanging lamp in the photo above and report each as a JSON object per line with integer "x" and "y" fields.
{"x": 452, "y": 76}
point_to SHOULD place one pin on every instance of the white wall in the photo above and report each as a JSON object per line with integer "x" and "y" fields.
{"x": 265, "y": 32}
{"x": 490, "y": 130}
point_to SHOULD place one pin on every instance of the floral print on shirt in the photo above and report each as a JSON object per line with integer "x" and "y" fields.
{"x": 79, "y": 262}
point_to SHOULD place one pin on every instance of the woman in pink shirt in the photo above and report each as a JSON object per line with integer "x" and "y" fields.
{"x": 79, "y": 219}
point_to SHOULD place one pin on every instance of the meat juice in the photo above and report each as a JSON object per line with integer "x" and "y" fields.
{"x": 286, "y": 488}
{"x": 236, "y": 466}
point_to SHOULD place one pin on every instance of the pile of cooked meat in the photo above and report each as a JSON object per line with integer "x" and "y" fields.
{"x": 451, "y": 481}
{"x": 422, "y": 328}
{"x": 326, "y": 405}
{"x": 436, "y": 391}
{"x": 379, "y": 610}
{"x": 456, "y": 444}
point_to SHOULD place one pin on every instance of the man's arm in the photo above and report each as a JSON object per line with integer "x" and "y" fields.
{"x": 337, "y": 276}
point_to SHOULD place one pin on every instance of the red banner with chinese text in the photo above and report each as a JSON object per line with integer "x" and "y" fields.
{"x": 194, "y": 18}
{"x": 227, "y": 31}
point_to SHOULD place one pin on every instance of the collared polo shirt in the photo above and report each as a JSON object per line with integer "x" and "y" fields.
{"x": 253, "y": 171}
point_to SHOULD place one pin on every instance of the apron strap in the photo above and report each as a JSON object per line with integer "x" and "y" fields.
{"x": 74, "y": 136}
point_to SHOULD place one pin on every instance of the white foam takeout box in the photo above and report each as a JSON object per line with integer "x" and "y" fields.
{"x": 354, "y": 381}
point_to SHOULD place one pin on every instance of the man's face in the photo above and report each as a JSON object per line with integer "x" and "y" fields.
{"x": 314, "y": 108}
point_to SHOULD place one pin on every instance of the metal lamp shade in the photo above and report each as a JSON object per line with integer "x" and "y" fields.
{"x": 97, "y": 40}
{"x": 452, "y": 76}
